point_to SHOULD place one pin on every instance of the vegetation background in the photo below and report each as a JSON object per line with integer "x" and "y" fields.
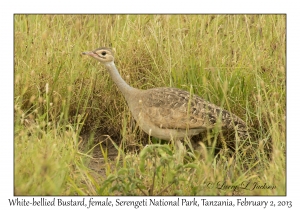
{"x": 74, "y": 134}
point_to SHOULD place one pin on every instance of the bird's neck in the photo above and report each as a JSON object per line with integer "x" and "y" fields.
{"x": 116, "y": 77}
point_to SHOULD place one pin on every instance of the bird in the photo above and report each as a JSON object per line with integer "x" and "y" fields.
{"x": 169, "y": 113}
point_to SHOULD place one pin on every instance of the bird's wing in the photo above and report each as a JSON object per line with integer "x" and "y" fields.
{"x": 173, "y": 108}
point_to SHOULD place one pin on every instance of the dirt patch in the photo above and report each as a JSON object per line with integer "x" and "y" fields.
{"x": 99, "y": 162}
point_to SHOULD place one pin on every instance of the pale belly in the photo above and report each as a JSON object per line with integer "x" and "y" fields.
{"x": 167, "y": 134}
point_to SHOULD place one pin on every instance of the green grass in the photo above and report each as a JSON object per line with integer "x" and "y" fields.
{"x": 67, "y": 107}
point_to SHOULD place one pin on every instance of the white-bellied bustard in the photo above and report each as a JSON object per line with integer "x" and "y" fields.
{"x": 169, "y": 113}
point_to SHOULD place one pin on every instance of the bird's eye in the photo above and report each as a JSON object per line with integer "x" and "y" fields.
{"x": 103, "y": 53}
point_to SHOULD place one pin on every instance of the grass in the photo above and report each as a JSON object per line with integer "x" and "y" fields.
{"x": 70, "y": 116}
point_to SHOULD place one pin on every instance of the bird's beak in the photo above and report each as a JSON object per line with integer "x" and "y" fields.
{"x": 88, "y": 53}
{"x": 91, "y": 53}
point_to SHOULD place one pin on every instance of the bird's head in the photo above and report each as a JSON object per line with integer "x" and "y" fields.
{"x": 103, "y": 54}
